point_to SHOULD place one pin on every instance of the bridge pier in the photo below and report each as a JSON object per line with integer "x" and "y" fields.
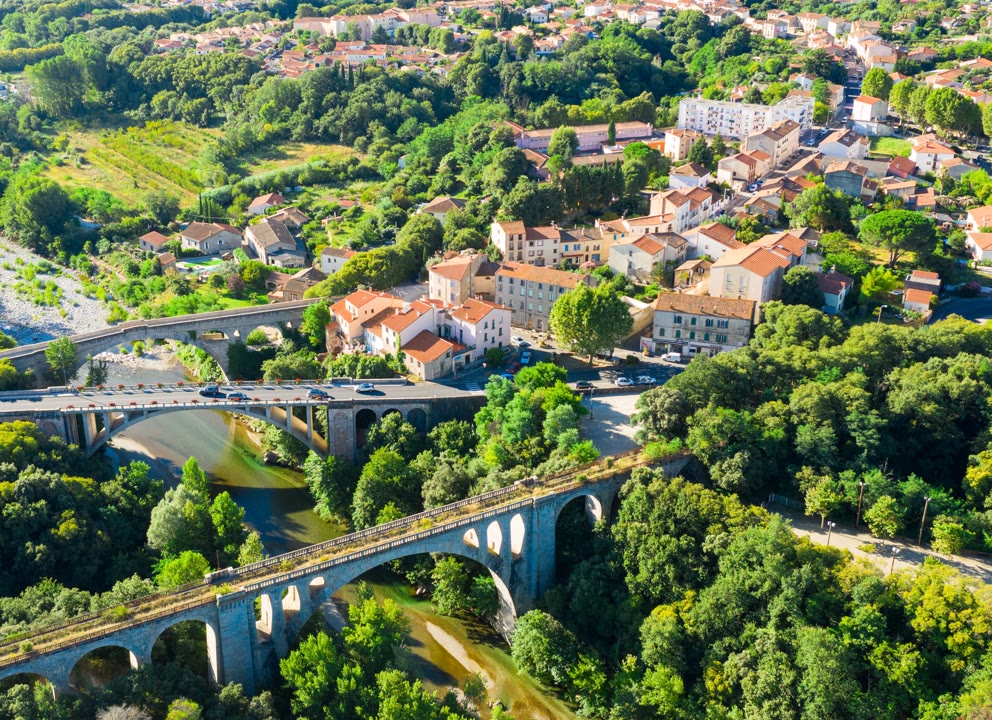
{"x": 273, "y": 622}
{"x": 232, "y": 653}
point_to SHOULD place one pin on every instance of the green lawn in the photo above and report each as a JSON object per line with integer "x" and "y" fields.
{"x": 891, "y": 146}
{"x": 205, "y": 262}
{"x": 228, "y": 303}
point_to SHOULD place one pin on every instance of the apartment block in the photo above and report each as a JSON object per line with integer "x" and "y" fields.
{"x": 740, "y": 120}
{"x": 530, "y": 292}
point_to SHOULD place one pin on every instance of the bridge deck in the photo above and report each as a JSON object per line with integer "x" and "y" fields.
{"x": 286, "y": 567}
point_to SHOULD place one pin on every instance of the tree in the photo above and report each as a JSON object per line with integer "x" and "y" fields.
{"x": 449, "y": 483}
{"x": 59, "y": 84}
{"x": 181, "y": 521}
{"x": 450, "y": 594}
{"x": 188, "y": 567}
{"x": 987, "y": 119}
{"x": 801, "y": 287}
{"x": 252, "y": 550}
{"x": 122, "y": 712}
{"x": 316, "y": 318}
{"x": 63, "y": 360}
{"x": 948, "y": 110}
{"x": 543, "y": 648}
{"x": 821, "y": 208}
{"x": 877, "y": 83}
{"x": 823, "y": 499}
{"x": 701, "y": 153}
{"x": 899, "y": 232}
{"x": 386, "y": 477}
{"x": 195, "y": 479}
{"x": 884, "y": 517}
{"x": 312, "y": 672}
{"x": 900, "y": 96}
{"x": 878, "y": 283}
{"x": 229, "y": 527}
{"x": 564, "y": 144}
{"x": 96, "y": 372}
{"x": 162, "y": 206}
{"x": 590, "y": 321}
{"x": 611, "y": 133}
{"x": 396, "y": 434}
{"x": 950, "y": 537}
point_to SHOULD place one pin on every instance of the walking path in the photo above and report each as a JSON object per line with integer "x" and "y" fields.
{"x": 909, "y": 556}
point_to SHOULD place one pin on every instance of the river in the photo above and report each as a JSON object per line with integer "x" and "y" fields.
{"x": 278, "y": 505}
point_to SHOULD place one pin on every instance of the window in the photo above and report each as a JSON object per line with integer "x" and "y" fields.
{"x": 678, "y": 320}
{"x": 540, "y": 308}
{"x": 530, "y": 307}
{"x": 692, "y": 335}
{"x": 678, "y": 333}
{"x": 661, "y": 332}
{"x": 540, "y": 295}
{"x": 530, "y": 293}
{"x": 721, "y": 338}
{"x": 709, "y": 322}
{"x": 706, "y": 337}
{"x": 692, "y": 321}
{"x": 723, "y": 323}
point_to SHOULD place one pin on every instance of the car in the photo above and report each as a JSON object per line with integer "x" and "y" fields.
{"x": 315, "y": 394}
{"x": 525, "y": 358}
{"x": 672, "y": 357}
{"x": 507, "y": 376}
{"x": 237, "y": 396}
{"x": 516, "y": 340}
{"x": 211, "y": 391}
{"x": 523, "y": 344}
{"x": 752, "y": 187}
{"x": 623, "y": 382}
{"x": 514, "y": 367}
{"x": 811, "y": 143}
{"x": 364, "y": 387}
{"x": 646, "y": 380}
{"x": 583, "y": 385}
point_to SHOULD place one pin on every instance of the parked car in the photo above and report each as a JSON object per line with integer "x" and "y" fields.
{"x": 752, "y": 187}
{"x": 506, "y": 376}
{"x": 672, "y": 357}
{"x": 211, "y": 391}
{"x": 583, "y": 386}
{"x": 237, "y": 396}
{"x": 623, "y": 382}
{"x": 646, "y": 380}
{"x": 516, "y": 340}
{"x": 364, "y": 387}
{"x": 525, "y": 358}
{"x": 514, "y": 367}
{"x": 316, "y": 394}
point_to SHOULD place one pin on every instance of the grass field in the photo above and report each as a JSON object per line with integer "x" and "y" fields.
{"x": 891, "y": 146}
{"x": 164, "y": 156}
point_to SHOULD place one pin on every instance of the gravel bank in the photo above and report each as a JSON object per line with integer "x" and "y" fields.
{"x": 27, "y": 322}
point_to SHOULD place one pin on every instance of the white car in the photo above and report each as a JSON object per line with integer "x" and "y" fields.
{"x": 672, "y": 357}
{"x": 516, "y": 340}
{"x": 525, "y": 358}
{"x": 646, "y": 380}
{"x": 623, "y": 382}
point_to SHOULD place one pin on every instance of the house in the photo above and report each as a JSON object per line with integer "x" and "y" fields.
{"x": 928, "y": 153}
{"x": 869, "y": 115}
{"x": 167, "y": 261}
{"x": 688, "y": 176}
{"x": 296, "y": 285}
{"x": 292, "y": 217}
{"x": 350, "y": 313}
{"x": 529, "y": 292}
{"x": 262, "y": 203}
{"x": 480, "y": 326}
{"x": 399, "y": 327}
{"x": 979, "y": 246}
{"x": 333, "y": 259}
{"x": 835, "y": 287}
{"x": 533, "y": 245}
{"x": 749, "y": 273}
{"x": 901, "y": 167}
{"x": 153, "y": 242}
{"x": 462, "y": 277}
{"x": 956, "y": 168}
{"x": 786, "y": 244}
{"x": 692, "y": 272}
{"x": 274, "y": 244}
{"x": 678, "y": 143}
{"x": 780, "y": 141}
{"x": 210, "y": 238}
{"x": 681, "y": 210}
{"x": 640, "y": 258}
{"x": 698, "y": 324}
{"x": 903, "y": 190}
{"x": 845, "y": 144}
{"x": 923, "y": 280}
{"x": 846, "y": 176}
{"x": 917, "y": 301}
{"x": 980, "y": 217}
{"x": 712, "y": 240}
{"x": 439, "y": 207}
{"x": 428, "y": 356}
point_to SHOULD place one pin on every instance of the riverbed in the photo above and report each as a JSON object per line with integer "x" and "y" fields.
{"x": 443, "y": 651}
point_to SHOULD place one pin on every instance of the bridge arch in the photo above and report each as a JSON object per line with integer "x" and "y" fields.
{"x": 180, "y": 642}
{"x": 418, "y": 418}
{"x": 101, "y": 665}
{"x": 364, "y": 419}
{"x": 123, "y": 419}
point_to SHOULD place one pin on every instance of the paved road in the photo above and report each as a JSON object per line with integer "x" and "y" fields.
{"x": 974, "y": 309}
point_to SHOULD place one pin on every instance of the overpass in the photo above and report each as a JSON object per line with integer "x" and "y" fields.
{"x": 212, "y": 331}
{"x": 335, "y": 424}
{"x": 510, "y": 531}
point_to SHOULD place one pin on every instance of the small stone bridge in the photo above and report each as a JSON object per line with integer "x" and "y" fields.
{"x": 510, "y": 531}
{"x": 212, "y": 331}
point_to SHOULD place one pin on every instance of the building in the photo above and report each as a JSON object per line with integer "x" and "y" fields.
{"x": 749, "y": 273}
{"x": 845, "y": 144}
{"x": 869, "y": 115}
{"x": 274, "y": 244}
{"x": 210, "y": 238}
{"x": 923, "y": 280}
{"x": 295, "y": 286}
{"x": 689, "y": 176}
{"x": 439, "y": 207}
{"x": 529, "y": 292}
{"x": 591, "y": 137}
{"x": 462, "y": 277}
{"x": 429, "y": 356}
{"x": 532, "y": 245}
{"x": 901, "y": 167}
{"x": 847, "y": 176}
{"x": 678, "y": 210}
{"x": 835, "y": 287}
{"x": 640, "y": 259}
{"x": 584, "y": 245}
{"x": 698, "y": 324}
{"x": 780, "y": 141}
{"x": 399, "y": 327}
{"x": 678, "y": 143}
{"x": 917, "y": 301}
{"x": 928, "y": 153}
{"x": 979, "y": 246}
{"x": 333, "y": 259}
{"x": 980, "y": 217}
{"x": 350, "y": 313}
{"x": 712, "y": 240}
{"x": 262, "y": 203}
{"x": 743, "y": 169}
{"x": 153, "y": 242}
{"x": 740, "y": 120}
{"x": 480, "y": 326}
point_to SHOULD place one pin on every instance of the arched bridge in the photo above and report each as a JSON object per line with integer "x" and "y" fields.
{"x": 212, "y": 331}
{"x": 510, "y": 531}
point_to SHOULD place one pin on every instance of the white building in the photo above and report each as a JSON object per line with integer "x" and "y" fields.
{"x": 739, "y": 120}
{"x": 845, "y": 144}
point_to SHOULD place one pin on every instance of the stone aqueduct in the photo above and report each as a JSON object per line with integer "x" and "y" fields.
{"x": 510, "y": 531}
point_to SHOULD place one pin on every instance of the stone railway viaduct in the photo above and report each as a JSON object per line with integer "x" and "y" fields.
{"x": 510, "y": 531}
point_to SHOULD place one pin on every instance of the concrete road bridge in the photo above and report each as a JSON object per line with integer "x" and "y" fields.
{"x": 510, "y": 531}
{"x": 212, "y": 331}
{"x": 336, "y": 424}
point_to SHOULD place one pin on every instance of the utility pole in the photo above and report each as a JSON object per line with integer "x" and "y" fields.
{"x": 861, "y": 495}
{"x": 923, "y": 522}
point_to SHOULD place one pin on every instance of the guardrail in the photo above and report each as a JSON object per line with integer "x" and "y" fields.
{"x": 391, "y": 535}
{"x": 194, "y": 384}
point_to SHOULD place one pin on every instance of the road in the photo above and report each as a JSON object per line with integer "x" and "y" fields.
{"x": 975, "y": 309}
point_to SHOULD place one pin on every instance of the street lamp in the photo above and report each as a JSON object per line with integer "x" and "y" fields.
{"x": 923, "y": 522}
{"x": 830, "y": 529}
{"x": 882, "y": 307}
{"x": 892, "y": 565}
{"x": 861, "y": 495}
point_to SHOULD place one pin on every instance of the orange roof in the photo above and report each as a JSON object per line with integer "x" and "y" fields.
{"x": 472, "y": 311}
{"x": 154, "y": 238}
{"x": 453, "y": 269}
{"x": 533, "y": 273}
{"x": 918, "y": 297}
{"x": 705, "y": 305}
{"x": 788, "y": 242}
{"x": 925, "y": 275}
{"x": 648, "y": 245}
{"x": 756, "y": 259}
{"x": 982, "y": 239}
{"x": 427, "y": 347}
{"x": 403, "y": 319}
{"x": 982, "y": 215}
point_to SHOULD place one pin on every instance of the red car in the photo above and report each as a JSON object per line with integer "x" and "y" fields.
{"x": 514, "y": 367}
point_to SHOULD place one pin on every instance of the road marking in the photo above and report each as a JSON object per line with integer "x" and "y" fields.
{"x": 475, "y": 388}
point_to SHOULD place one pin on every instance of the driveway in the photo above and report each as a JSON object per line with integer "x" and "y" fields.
{"x": 975, "y": 309}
